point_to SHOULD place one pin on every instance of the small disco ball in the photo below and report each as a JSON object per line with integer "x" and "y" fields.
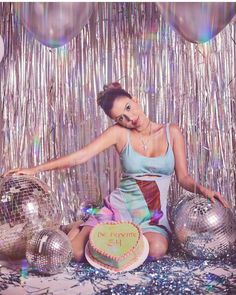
{"x": 26, "y": 205}
{"x": 49, "y": 251}
{"x": 204, "y": 229}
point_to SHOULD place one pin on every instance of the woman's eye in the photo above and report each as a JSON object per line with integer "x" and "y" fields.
{"x": 128, "y": 107}
{"x": 120, "y": 119}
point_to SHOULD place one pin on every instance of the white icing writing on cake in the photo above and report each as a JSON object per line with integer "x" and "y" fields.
{"x": 115, "y": 238}
{"x": 118, "y": 235}
{"x": 112, "y": 242}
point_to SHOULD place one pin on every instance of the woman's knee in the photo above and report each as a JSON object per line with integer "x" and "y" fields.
{"x": 158, "y": 245}
{"x": 157, "y": 249}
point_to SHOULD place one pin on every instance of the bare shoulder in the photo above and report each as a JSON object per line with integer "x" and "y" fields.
{"x": 117, "y": 130}
{"x": 175, "y": 132}
{"x": 116, "y": 127}
{"x": 120, "y": 134}
{"x": 174, "y": 128}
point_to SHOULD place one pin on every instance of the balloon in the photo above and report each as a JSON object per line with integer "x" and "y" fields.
{"x": 1, "y": 48}
{"x": 234, "y": 20}
{"x": 54, "y": 24}
{"x": 198, "y": 22}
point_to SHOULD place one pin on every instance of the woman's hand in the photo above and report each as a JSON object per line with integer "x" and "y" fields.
{"x": 212, "y": 195}
{"x": 20, "y": 171}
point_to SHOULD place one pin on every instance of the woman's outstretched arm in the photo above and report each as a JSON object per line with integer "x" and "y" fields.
{"x": 184, "y": 179}
{"x": 102, "y": 142}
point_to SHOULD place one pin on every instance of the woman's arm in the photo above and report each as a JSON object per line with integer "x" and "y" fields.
{"x": 105, "y": 140}
{"x": 184, "y": 179}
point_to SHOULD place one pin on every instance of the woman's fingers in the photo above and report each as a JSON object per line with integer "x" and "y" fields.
{"x": 10, "y": 172}
{"x": 19, "y": 171}
{"x": 25, "y": 172}
{"x": 221, "y": 199}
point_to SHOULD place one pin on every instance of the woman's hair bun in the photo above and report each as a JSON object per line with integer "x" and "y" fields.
{"x": 110, "y": 91}
{"x": 111, "y": 86}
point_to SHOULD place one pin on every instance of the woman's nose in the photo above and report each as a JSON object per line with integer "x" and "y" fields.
{"x": 130, "y": 117}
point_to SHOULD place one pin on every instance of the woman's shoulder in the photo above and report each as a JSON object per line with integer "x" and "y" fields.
{"x": 116, "y": 129}
{"x": 120, "y": 134}
{"x": 174, "y": 127}
{"x": 175, "y": 131}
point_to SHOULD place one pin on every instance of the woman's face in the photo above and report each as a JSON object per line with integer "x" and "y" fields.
{"x": 127, "y": 112}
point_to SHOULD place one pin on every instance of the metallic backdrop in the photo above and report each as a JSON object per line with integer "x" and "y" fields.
{"x": 48, "y": 106}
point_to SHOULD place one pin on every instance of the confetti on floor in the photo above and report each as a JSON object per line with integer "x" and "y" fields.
{"x": 175, "y": 273}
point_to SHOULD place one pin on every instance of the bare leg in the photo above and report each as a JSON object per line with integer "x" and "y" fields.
{"x": 73, "y": 230}
{"x": 78, "y": 240}
{"x": 67, "y": 228}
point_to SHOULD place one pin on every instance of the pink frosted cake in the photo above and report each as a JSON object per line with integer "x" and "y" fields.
{"x": 115, "y": 245}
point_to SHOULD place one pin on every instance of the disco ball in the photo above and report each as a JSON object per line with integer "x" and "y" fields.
{"x": 26, "y": 205}
{"x": 49, "y": 251}
{"x": 204, "y": 229}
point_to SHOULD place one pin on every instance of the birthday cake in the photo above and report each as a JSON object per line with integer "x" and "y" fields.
{"x": 115, "y": 245}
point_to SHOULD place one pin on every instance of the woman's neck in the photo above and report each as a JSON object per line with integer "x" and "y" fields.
{"x": 145, "y": 129}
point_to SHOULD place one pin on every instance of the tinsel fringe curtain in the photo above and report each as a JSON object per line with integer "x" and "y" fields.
{"x": 48, "y": 98}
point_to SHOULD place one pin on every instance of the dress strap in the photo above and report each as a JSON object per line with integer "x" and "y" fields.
{"x": 128, "y": 136}
{"x": 168, "y": 132}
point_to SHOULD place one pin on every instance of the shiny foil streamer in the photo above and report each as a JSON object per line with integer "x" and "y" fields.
{"x": 48, "y": 98}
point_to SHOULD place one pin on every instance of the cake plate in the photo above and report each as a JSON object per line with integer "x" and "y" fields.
{"x": 132, "y": 266}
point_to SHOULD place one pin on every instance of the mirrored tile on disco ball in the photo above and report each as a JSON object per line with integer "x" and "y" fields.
{"x": 26, "y": 206}
{"x": 49, "y": 251}
{"x": 203, "y": 229}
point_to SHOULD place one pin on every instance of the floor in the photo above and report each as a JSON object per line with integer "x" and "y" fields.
{"x": 175, "y": 273}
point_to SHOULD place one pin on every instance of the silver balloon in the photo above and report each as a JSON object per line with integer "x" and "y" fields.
{"x": 54, "y": 24}
{"x": 198, "y": 22}
{"x": 26, "y": 206}
{"x": 49, "y": 251}
{"x": 204, "y": 229}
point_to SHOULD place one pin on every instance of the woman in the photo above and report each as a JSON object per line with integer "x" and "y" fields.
{"x": 149, "y": 154}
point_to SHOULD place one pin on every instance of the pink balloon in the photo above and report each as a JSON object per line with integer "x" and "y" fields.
{"x": 55, "y": 23}
{"x": 198, "y": 22}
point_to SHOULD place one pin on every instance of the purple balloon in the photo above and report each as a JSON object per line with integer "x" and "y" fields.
{"x": 54, "y": 23}
{"x": 198, "y": 22}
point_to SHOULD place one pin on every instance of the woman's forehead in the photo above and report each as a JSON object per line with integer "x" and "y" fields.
{"x": 121, "y": 101}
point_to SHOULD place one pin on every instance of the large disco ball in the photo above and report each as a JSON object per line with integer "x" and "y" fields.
{"x": 204, "y": 229}
{"x": 49, "y": 251}
{"x": 26, "y": 205}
